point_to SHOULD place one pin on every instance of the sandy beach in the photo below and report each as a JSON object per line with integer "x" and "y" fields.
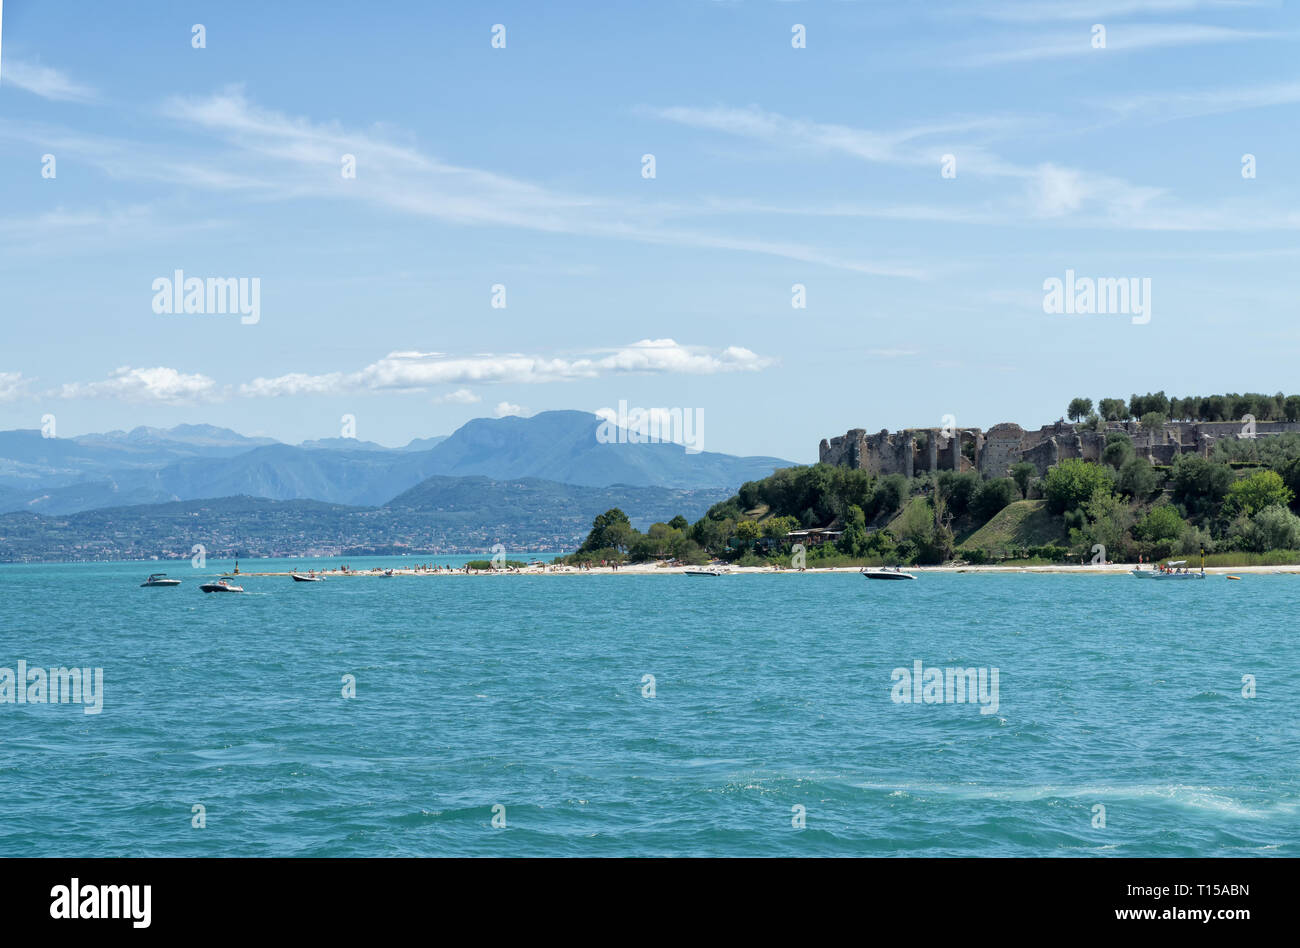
{"x": 643, "y": 569}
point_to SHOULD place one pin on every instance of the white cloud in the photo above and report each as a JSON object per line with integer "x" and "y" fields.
{"x": 158, "y": 384}
{"x": 13, "y": 386}
{"x": 415, "y": 371}
{"x": 462, "y": 396}
{"x": 505, "y": 408}
{"x": 45, "y": 82}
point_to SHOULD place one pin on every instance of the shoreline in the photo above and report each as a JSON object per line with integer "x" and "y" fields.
{"x": 1116, "y": 569}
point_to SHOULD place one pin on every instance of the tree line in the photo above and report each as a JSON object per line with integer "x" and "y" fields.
{"x": 1231, "y": 407}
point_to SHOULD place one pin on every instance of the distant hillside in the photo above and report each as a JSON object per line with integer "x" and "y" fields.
{"x": 149, "y": 465}
{"x": 562, "y": 446}
{"x": 441, "y": 515}
{"x": 283, "y": 472}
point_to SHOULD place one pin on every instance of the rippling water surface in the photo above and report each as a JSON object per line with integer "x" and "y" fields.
{"x": 772, "y": 693}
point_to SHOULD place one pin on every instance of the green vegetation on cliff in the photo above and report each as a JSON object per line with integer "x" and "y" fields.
{"x": 1239, "y": 502}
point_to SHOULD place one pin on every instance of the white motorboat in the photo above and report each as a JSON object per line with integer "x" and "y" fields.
{"x": 223, "y": 585}
{"x": 885, "y": 572}
{"x": 160, "y": 579}
{"x": 310, "y": 577}
{"x": 704, "y": 571}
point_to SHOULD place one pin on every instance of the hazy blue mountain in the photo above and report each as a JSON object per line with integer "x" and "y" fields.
{"x": 144, "y": 465}
{"x": 27, "y": 459}
{"x": 561, "y": 446}
{"x": 286, "y": 472}
{"x": 199, "y": 436}
{"x": 343, "y": 444}
{"x": 87, "y": 495}
{"x": 423, "y": 444}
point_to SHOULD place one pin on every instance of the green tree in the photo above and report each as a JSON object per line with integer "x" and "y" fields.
{"x": 1159, "y": 531}
{"x": 1252, "y": 494}
{"x": 1073, "y": 482}
{"x": 609, "y": 531}
{"x": 1023, "y": 473}
{"x": 777, "y": 527}
{"x": 923, "y": 526}
{"x": 1078, "y": 408}
{"x": 1274, "y": 528}
{"x": 1137, "y": 479}
{"x": 1114, "y": 409}
{"x": 992, "y": 496}
{"x": 958, "y": 490}
{"x": 889, "y": 495}
{"x": 1119, "y": 448}
{"x": 679, "y": 523}
{"x": 1199, "y": 484}
{"x": 1153, "y": 421}
{"x": 854, "y": 539}
{"x": 1106, "y": 522}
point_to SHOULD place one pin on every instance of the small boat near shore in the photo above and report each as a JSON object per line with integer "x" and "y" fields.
{"x": 885, "y": 572}
{"x": 704, "y": 571}
{"x": 159, "y": 579}
{"x": 311, "y": 577}
{"x": 223, "y": 585}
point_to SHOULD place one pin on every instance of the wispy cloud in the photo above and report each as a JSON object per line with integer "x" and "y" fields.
{"x": 1047, "y": 189}
{"x": 416, "y": 371}
{"x": 1039, "y": 11}
{"x": 1167, "y": 106}
{"x": 904, "y": 146}
{"x": 303, "y": 159}
{"x": 45, "y": 82}
{"x": 504, "y": 409}
{"x": 1119, "y": 39}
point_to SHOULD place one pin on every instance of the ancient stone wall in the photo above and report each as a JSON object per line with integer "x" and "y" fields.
{"x": 1007, "y": 444}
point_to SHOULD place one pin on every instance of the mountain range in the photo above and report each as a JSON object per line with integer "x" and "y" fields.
{"x": 152, "y": 465}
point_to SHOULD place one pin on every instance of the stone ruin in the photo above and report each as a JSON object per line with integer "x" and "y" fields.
{"x": 914, "y": 451}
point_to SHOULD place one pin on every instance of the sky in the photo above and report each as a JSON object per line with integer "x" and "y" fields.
{"x": 921, "y": 171}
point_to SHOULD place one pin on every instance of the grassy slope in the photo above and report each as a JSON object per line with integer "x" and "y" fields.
{"x": 1022, "y": 523}
{"x": 893, "y": 525}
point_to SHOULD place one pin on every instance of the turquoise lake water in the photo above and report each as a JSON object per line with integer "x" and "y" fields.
{"x": 771, "y": 693}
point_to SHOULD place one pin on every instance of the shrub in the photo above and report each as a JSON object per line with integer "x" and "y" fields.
{"x": 1261, "y": 489}
{"x": 1199, "y": 484}
{"x": 1073, "y": 482}
{"x": 1137, "y": 479}
{"x": 991, "y": 497}
{"x": 1274, "y": 528}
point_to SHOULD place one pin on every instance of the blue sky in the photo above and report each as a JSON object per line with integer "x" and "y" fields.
{"x": 522, "y": 166}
